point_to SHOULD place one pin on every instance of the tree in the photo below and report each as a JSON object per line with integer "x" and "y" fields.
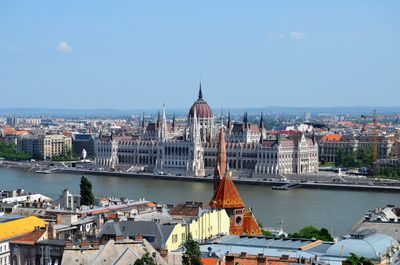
{"x": 358, "y": 158}
{"x": 356, "y": 260}
{"x": 9, "y": 151}
{"x": 146, "y": 259}
{"x": 192, "y": 255}
{"x": 87, "y": 197}
{"x": 313, "y": 232}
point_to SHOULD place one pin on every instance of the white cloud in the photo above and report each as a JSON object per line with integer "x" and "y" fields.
{"x": 63, "y": 46}
{"x": 297, "y": 35}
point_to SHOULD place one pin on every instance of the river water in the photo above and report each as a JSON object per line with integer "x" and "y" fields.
{"x": 336, "y": 210}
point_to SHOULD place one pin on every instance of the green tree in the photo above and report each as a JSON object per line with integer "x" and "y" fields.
{"x": 9, "y": 151}
{"x": 313, "y": 232}
{"x": 147, "y": 259}
{"x": 356, "y": 260}
{"x": 87, "y": 197}
{"x": 192, "y": 255}
{"x": 358, "y": 158}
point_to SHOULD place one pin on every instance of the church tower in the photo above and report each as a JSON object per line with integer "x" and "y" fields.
{"x": 221, "y": 166}
{"x": 226, "y": 196}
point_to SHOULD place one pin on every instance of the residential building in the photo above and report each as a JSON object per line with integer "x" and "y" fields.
{"x": 15, "y": 228}
{"x": 69, "y": 201}
{"x": 171, "y": 235}
{"x": 82, "y": 142}
{"x": 115, "y": 252}
{"x": 54, "y": 145}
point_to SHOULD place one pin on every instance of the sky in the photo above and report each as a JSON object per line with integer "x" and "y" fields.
{"x": 141, "y": 54}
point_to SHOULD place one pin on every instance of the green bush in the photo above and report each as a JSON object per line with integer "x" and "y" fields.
{"x": 310, "y": 232}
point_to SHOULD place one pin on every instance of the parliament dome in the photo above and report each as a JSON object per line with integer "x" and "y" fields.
{"x": 203, "y": 110}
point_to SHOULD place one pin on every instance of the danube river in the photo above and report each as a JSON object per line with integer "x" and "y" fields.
{"x": 335, "y": 210}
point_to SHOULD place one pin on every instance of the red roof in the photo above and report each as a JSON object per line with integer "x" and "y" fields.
{"x": 332, "y": 138}
{"x": 29, "y": 239}
{"x": 209, "y": 261}
{"x": 226, "y": 196}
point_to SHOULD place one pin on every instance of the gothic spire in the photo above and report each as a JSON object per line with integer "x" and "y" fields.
{"x": 262, "y": 121}
{"x": 245, "y": 120}
{"x": 163, "y": 124}
{"x": 173, "y": 121}
{"x": 143, "y": 121}
{"x": 200, "y": 92}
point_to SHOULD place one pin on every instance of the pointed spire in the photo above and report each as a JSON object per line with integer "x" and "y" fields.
{"x": 195, "y": 131}
{"x": 262, "y": 128}
{"x": 229, "y": 119}
{"x": 200, "y": 92}
{"x": 158, "y": 119}
{"x": 173, "y": 121}
{"x": 163, "y": 124}
{"x": 222, "y": 164}
{"x": 245, "y": 120}
{"x": 314, "y": 140}
{"x": 143, "y": 121}
{"x": 262, "y": 121}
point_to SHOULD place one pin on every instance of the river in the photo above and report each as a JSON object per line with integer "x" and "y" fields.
{"x": 336, "y": 210}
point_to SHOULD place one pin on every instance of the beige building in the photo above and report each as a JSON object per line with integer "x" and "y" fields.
{"x": 54, "y": 145}
{"x": 211, "y": 223}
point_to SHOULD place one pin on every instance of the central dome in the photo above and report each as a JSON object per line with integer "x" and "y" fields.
{"x": 203, "y": 110}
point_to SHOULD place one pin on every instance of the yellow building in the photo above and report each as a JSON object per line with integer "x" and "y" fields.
{"x": 212, "y": 222}
{"x": 54, "y": 145}
{"x": 12, "y": 229}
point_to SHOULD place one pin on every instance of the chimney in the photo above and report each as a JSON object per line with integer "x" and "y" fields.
{"x": 119, "y": 238}
{"x": 229, "y": 259}
{"x": 58, "y": 219}
{"x": 84, "y": 244}
{"x": 68, "y": 245}
{"x": 96, "y": 244}
{"x": 243, "y": 254}
{"x": 261, "y": 260}
{"x": 138, "y": 237}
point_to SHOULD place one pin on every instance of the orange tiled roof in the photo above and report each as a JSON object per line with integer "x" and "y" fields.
{"x": 21, "y": 132}
{"x": 9, "y": 131}
{"x": 332, "y": 138}
{"x": 31, "y": 238}
{"x": 209, "y": 261}
{"x": 20, "y": 227}
{"x": 226, "y": 196}
{"x": 151, "y": 204}
{"x": 250, "y": 225}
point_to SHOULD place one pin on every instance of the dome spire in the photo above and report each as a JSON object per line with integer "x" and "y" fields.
{"x": 200, "y": 92}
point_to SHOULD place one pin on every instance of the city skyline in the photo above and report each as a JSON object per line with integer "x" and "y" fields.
{"x": 137, "y": 56}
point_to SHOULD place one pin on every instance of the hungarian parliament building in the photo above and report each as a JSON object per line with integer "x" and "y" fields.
{"x": 166, "y": 148}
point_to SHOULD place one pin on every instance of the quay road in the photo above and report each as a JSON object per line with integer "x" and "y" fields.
{"x": 314, "y": 181}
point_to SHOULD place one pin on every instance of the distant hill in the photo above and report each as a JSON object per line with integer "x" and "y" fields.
{"x": 113, "y": 113}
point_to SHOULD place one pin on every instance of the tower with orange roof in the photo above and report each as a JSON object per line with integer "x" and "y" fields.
{"x": 226, "y": 196}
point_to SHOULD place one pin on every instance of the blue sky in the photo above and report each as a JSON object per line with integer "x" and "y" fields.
{"x": 131, "y": 54}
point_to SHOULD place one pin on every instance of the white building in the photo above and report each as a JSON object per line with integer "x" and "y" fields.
{"x": 248, "y": 151}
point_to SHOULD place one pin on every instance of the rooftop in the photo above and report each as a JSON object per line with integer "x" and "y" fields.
{"x": 20, "y": 227}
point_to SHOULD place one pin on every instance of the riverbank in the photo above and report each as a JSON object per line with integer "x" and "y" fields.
{"x": 333, "y": 209}
{"x": 316, "y": 183}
